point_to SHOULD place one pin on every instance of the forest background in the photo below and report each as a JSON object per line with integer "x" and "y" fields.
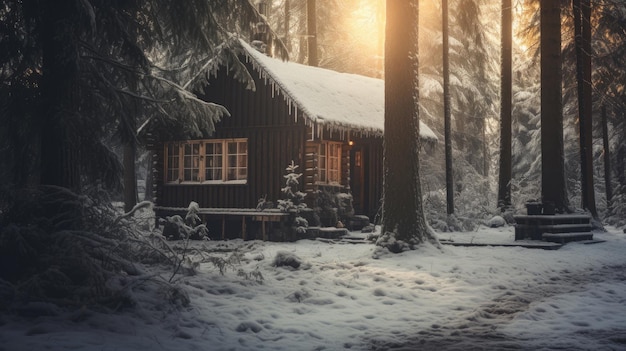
{"x": 350, "y": 39}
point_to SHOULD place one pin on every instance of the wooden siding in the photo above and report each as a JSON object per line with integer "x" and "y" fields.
{"x": 274, "y": 140}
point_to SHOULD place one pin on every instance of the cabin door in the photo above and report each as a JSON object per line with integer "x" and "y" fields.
{"x": 358, "y": 179}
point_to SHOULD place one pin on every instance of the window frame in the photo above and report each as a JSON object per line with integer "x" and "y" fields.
{"x": 198, "y": 161}
{"x": 327, "y": 173}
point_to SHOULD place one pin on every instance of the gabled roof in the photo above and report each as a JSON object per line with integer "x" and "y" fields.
{"x": 339, "y": 101}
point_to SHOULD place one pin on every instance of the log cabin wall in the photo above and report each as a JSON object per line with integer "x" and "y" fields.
{"x": 275, "y": 138}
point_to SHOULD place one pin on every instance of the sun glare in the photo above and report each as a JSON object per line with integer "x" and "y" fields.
{"x": 366, "y": 24}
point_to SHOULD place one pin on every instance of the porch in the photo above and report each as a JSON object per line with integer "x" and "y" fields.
{"x": 268, "y": 224}
{"x": 247, "y": 222}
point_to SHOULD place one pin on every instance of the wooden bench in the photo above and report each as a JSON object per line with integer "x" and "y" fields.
{"x": 264, "y": 217}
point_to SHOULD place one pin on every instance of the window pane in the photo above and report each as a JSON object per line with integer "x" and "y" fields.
{"x": 213, "y": 161}
{"x": 237, "y": 160}
{"x": 329, "y": 163}
{"x": 232, "y": 148}
{"x": 232, "y": 174}
{"x": 207, "y": 160}
{"x": 191, "y": 162}
{"x": 321, "y": 164}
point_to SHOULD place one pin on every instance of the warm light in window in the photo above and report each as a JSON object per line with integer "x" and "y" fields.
{"x": 351, "y": 143}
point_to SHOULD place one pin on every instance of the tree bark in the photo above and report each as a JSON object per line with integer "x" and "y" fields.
{"x": 582, "y": 32}
{"x": 447, "y": 118}
{"x": 130, "y": 176}
{"x": 403, "y": 214}
{"x": 620, "y": 159}
{"x": 149, "y": 192}
{"x": 607, "y": 161}
{"x": 60, "y": 95}
{"x": 311, "y": 32}
{"x": 287, "y": 24}
{"x": 552, "y": 154}
{"x": 506, "y": 96}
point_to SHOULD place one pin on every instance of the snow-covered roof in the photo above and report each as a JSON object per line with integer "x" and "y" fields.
{"x": 336, "y": 100}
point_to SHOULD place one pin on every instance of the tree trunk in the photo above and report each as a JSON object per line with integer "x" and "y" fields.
{"x": 447, "y": 118}
{"x": 130, "y": 176}
{"x": 149, "y": 196}
{"x": 620, "y": 160}
{"x": 380, "y": 24}
{"x": 311, "y": 21}
{"x": 287, "y": 25}
{"x": 506, "y": 96}
{"x": 403, "y": 215}
{"x": 582, "y": 31}
{"x": 60, "y": 96}
{"x": 552, "y": 155}
{"x": 607, "y": 161}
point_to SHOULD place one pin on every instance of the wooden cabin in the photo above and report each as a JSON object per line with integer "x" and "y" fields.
{"x": 328, "y": 123}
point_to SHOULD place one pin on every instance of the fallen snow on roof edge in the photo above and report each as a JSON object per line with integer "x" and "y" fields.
{"x": 339, "y": 101}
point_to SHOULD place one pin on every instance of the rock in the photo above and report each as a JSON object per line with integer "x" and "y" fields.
{"x": 286, "y": 258}
{"x": 496, "y": 222}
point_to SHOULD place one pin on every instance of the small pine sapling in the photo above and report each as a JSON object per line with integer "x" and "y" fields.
{"x": 294, "y": 199}
{"x": 191, "y": 228}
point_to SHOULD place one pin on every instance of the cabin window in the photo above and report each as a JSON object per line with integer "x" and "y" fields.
{"x": 329, "y": 163}
{"x": 213, "y": 159}
{"x": 191, "y": 162}
{"x": 237, "y": 167}
{"x": 207, "y": 161}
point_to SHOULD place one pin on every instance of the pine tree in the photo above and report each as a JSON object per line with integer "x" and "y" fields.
{"x": 294, "y": 199}
{"x": 108, "y": 67}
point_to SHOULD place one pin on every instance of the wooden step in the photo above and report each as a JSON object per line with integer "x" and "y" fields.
{"x": 560, "y": 228}
{"x": 553, "y": 219}
{"x": 563, "y": 238}
{"x": 532, "y": 227}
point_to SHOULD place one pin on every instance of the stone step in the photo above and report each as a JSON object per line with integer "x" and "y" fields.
{"x": 358, "y": 222}
{"x": 563, "y": 238}
{"x": 558, "y": 228}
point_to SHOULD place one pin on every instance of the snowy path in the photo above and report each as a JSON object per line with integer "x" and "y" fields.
{"x": 545, "y": 304}
{"x": 340, "y": 298}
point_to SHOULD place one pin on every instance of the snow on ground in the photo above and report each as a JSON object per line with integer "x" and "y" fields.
{"x": 340, "y": 297}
